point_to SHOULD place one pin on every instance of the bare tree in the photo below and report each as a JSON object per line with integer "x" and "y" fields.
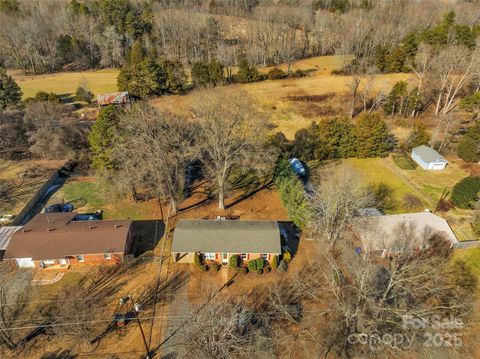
{"x": 336, "y": 200}
{"x": 221, "y": 329}
{"x": 232, "y": 134}
{"x": 154, "y": 151}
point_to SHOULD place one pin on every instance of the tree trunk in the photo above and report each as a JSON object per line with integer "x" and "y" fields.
{"x": 221, "y": 193}
{"x": 173, "y": 205}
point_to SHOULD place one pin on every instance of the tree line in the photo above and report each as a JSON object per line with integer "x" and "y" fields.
{"x": 48, "y": 36}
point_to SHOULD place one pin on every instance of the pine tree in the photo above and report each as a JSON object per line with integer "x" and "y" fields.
{"x": 200, "y": 74}
{"x": 247, "y": 73}
{"x": 417, "y": 137}
{"x": 102, "y": 137}
{"x": 372, "y": 136}
{"x": 469, "y": 145}
{"x": 10, "y": 93}
{"x": 336, "y": 137}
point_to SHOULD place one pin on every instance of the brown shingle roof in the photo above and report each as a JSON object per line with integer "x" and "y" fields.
{"x": 56, "y": 235}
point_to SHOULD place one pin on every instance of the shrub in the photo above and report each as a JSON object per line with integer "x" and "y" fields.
{"x": 411, "y": 202}
{"x": 287, "y": 256}
{"x": 252, "y": 265}
{"x": 465, "y": 193}
{"x": 259, "y": 271}
{"x": 196, "y": 260}
{"x": 274, "y": 262}
{"x": 234, "y": 261}
{"x": 260, "y": 263}
{"x": 476, "y": 226}
{"x": 42, "y": 96}
{"x": 203, "y": 268}
{"x": 215, "y": 267}
{"x": 247, "y": 73}
{"x": 276, "y": 74}
{"x": 83, "y": 94}
{"x": 267, "y": 270}
{"x": 469, "y": 145}
{"x": 282, "y": 267}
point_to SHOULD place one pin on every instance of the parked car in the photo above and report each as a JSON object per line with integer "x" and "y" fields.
{"x": 58, "y": 208}
{"x": 95, "y": 216}
{"x": 297, "y": 167}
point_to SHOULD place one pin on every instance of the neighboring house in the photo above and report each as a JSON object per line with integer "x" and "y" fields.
{"x": 383, "y": 235}
{"x": 219, "y": 239}
{"x": 59, "y": 240}
{"x": 428, "y": 158}
{"x": 6, "y": 233}
{"x": 114, "y": 98}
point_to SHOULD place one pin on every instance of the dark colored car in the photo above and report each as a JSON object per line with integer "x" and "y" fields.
{"x": 297, "y": 167}
{"x": 58, "y": 208}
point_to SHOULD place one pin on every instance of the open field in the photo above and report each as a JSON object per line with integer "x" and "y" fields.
{"x": 67, "y": 82}
{"x": 427, "y": 186}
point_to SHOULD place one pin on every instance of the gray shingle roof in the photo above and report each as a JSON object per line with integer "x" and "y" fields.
{"x": 428, "y": 154}
{"x": 226, "y": 236}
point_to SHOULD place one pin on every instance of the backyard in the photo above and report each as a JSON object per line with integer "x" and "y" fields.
{"x": 426, "y": 186}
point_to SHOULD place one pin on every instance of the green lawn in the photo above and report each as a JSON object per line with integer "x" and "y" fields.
{"x": 87, "y": 195}
{"x": 427, "y": 186}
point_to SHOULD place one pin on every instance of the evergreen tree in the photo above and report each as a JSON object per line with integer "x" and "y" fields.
{"x": 102, "y": 137}
{"x": 397, "y": 100}
{"x": 372, "y": 136}
{"x": 417, "y": 137}
{"x": 469, "y": 145}
{"x": 176, "y": 78}
{"x": 247, "y": 73}
{"x": 200, "y": 74}
{"x": 216, "y": 72}
{"x": 10, "y": 93}
{"x": 307, "y": 145}
{"x": 336, "y": 137}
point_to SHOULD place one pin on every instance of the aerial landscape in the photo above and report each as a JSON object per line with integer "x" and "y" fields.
{"x": 240, "y": 179}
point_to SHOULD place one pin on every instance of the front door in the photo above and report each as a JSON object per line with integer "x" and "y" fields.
{"x": 224, "y": 258}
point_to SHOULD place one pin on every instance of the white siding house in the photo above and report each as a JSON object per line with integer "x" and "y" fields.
{"x": 428, "y": 158}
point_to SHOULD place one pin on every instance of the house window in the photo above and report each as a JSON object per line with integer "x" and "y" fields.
{"x": 243, "y": 256}
{"x": 210, "y": 256}
{"x": 264, "y": 256}
{"x": 107, "y": 255}
{"x": 80, "y": 258}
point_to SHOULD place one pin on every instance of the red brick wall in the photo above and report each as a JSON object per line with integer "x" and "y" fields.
{"x": 96, "y": 259}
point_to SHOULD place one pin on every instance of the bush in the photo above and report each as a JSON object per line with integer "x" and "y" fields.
{"x": 276, "y": 74}
{"x": 215, "y": 267}
{"x": 469, "y": 145}
{"x": 196, "y": 260}
{"x": 267, "y": 270}
{"x": 282, "y": 267}
{"x": 465, "y": 193}
{"x": 234, "y": 261}
{"x": 83, "y": 94}
{"x": 247, "y": 73}
{"x": 287, "y": 257}
{"x": 259, "y": 271}
{"x": 252, "y": 265}
{"x": 411, "y": 202}
{"x": 274, "y": 262}
{"x": 260, "y": 263}
{"x": 203, "y": 268}
{"x": 42, "y": 96}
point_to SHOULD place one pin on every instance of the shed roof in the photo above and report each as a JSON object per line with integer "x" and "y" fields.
{"x": 56, "y": 235}
{"x": 428, "y": 154}
{"x": 226, "y": 236}
{"x": 5, "y": 235}
{"x": 402, "y": 230}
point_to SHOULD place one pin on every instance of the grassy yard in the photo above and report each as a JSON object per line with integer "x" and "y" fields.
{"x": 87, "y": 195}
{"x": 471, "y": 256}
{"x": 427, "y": 186}
{"x": 100, "y": 81}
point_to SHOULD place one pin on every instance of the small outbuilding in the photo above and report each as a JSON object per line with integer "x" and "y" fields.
{"x": 114, "y": 98}
{"x": 217, "y": 240}
{"x": 429, "y": 159}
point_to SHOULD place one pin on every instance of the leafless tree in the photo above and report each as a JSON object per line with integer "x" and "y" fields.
{"x": 232, "y": 134}
{"x": 221, "y": 329}
{"x": 154, "y": 151}
{"x": 335, "y": 201}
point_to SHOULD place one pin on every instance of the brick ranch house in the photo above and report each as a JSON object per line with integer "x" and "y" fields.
{"x": 219, "y": 239}
{"x": 58, "y": 240}
{"x": 389, "y": 235}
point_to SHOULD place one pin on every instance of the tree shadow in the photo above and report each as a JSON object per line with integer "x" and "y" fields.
{"x": 64, "y": 354}
{"x": 249, "y": 194}
{"x": 146, "y": 235}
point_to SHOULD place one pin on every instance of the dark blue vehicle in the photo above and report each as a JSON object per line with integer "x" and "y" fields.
{"x": 297, "y": 167}
{"x": 58, "y": 208}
